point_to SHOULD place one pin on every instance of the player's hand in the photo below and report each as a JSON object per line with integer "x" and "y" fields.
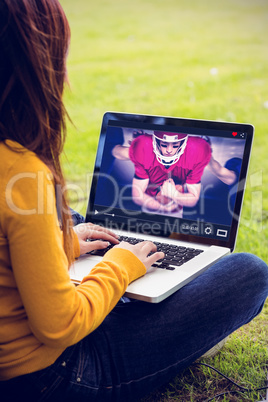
{"x": 88, "y": 231}
{"x": 142, "y": 251}
{"x": 168, "y": 188}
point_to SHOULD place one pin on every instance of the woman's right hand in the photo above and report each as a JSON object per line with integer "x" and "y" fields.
{"x": 142, "y": 251}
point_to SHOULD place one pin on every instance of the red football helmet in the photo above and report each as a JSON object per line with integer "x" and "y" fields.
{"x": 163, "y": 136}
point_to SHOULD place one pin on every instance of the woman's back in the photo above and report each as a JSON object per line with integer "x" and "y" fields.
{"x": 20, "y": 171}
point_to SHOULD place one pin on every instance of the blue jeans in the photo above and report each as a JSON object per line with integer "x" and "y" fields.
{"x": 77, "y": 218}
{"x": 141, "y": 346}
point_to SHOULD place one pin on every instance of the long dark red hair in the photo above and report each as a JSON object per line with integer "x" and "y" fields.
{"x": 34, "y": 41}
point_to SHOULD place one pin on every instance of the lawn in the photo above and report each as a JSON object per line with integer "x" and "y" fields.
{"x": 198, "y": 59}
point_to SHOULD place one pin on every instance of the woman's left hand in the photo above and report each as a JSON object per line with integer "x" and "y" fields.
{"x": 99, "y": 237}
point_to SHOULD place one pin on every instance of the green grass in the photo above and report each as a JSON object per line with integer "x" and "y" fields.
{"x": 156, "y": 57}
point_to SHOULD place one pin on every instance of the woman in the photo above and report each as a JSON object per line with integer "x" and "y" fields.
{"x": 61, "y": 342}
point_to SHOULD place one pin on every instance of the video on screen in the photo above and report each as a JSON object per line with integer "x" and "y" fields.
{"x": 170, "y": 173}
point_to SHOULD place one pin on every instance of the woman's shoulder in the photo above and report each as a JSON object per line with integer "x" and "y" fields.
{"x": 26, "y": 183}
{"x": 15, "y": 158}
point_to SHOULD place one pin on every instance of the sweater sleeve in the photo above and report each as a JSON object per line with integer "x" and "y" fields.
{"x": 59, "y": 313}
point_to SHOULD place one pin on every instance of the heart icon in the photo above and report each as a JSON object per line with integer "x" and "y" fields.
{"x": 234, "y": 134}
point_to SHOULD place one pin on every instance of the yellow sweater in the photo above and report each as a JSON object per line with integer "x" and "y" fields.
{"x": 41, "y": 311}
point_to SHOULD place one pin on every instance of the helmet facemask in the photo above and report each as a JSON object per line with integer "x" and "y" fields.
{"x": 159, "y": 137}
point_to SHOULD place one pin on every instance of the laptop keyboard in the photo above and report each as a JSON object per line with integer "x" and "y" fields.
{"x": 175, "y": 256}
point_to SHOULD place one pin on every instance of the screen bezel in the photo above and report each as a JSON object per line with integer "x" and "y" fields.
{"x": 177, "y": 123}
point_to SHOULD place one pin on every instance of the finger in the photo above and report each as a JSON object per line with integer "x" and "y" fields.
{"x": 102, "y": 229}
{"x": 155, "y": 257}
{"x": 91, "y": 226}
{"x": 147, "y": 246}
{"x": 97, "y": 245}
{"x": 99, "y": 234}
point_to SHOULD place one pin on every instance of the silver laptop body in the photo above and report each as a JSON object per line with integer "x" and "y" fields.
{"x": 209, "y": 227}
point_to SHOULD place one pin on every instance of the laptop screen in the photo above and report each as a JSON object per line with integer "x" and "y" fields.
{"x": 170, "y": 177}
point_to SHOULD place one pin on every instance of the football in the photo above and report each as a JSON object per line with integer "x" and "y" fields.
{"x": 167, "y": 200}
{"x": 163, "y": 199}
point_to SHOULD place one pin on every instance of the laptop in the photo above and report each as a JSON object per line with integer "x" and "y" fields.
{"x": 177, "y": 182}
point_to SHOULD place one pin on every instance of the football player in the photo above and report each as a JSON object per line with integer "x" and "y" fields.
{"x": 168, "y": 170}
